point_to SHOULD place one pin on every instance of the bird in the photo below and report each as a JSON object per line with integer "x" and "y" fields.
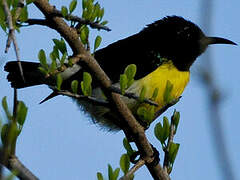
{"x": 163, "y": 51}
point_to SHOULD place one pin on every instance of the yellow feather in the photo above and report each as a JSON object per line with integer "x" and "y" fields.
{"x": 158, "y": 79}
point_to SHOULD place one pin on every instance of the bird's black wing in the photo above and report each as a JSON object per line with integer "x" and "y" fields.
{"x": 135, "y": 49}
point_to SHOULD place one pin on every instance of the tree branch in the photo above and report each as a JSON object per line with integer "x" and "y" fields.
{"x": 132, "y": 126}
{"x": 15, "y": 165}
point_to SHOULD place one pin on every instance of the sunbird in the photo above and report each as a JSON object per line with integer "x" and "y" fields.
{"x": 163, "y": 52}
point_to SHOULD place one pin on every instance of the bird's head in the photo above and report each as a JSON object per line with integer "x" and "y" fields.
{"x": 179, "y": 40}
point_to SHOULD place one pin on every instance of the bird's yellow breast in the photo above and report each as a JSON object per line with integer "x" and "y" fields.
{"x": 158, "y": 79}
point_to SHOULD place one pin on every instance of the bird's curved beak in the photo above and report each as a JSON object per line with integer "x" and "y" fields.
{"x": 218, "y": 40}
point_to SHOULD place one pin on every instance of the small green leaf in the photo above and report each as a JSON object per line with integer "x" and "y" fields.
{"x": 173, "y": 150}
{"x": 62, "y": 60}
{"x": 52, "y": 56}
{"x": 64, "y": 11}
{"x": 166, "y": 128}
{"x": 110, "y": 172}
{"x": 104, "y": 23}
{"x": 21, "y": 113}
{"x": 74, "y": 86}
{"x": 24, "y": 14}
{"x": 128, "y": 147}
{"x": 175, "y": 119}
{"x": 84, "y": 34}
{"x": 123, "y": 83}
{"x": 86, "y": 84}
{"x": 72, "y": 6}
{"x": 4, "y": 132}
{"x": 29, "y": 1}
{"x": 42, "y": 58}
{"x": 142, "y": 94}
{"x": 60, "y": 44}
{"x": 167, "y": 93}
{"x": 99, "y": 176}
{"x": 97, "y": 42}
{"x": 84, "y": 3}
{"x": 158, "y": 131}
{"x": 125, "y": 163}
{"x": 116, "y": 174}
{"x": 59, "y": 82}
{"x": 53, "y": 66}
{"x": 5, "y": 107}
{"x": 130, "y": 71}
{"x": 142, "y": 113}
{"x": 43, "y": 70}
{"x": 55, "y": 52}
{"x": 155, "y": 94}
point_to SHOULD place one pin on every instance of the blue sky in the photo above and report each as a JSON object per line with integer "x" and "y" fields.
{"x": 60, "y": 142}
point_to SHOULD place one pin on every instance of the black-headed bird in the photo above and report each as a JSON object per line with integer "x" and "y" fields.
{"x": 163, "y": 51}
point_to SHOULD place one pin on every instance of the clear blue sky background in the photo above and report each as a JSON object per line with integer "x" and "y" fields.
{"x": 59, "y": 142}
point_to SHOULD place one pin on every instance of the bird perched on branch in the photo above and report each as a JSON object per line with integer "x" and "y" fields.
{"x": 163, "y": 52}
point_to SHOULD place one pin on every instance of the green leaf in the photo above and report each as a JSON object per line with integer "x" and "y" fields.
{"x": 167, "y": 93}
{"x": 84, "y": 3}
{"x": 116, "y": 174}
{"x": 128, "y": 147}
{"x": 99, "y": 176}
{"x": 84, "y": 34}
{"x": 21, "y": 113}
{"x": 86, "y": 84}
{"x": 125, "y": 163}
{"x": 43, "y": 70}
{"x": 5, "y": 107}
{"x": 53, "y": 66}
{"x": 176, "y": 118}
{"x": 166, "y": 128}
{"x": 42, "y": 58}
{"x": 173, "y": 150}
{"x": 55, "y": 52}
{"x": 64, "y": 11}
{"x": 110, "y": 172}
{"x": 142, "y": 94}
{"x": 142, "y": 113}
{"x": 59, "y": 82}
{"x": 24, "y": 14}
{"x": 72, "y": 6}
{"x": 158, "y": 131}
{"x": 74, "y": 86}
{"x": 53, "y": 56}
{"x": 155, "y": 94}
{"x": 101, "y": 14}
{"x": 104, "y": 23}
{"x": 97, "y": 42}
{"x": 29, "y": 1}
{"x": 4, "y": 132}
{"x": 60, "y": 45}
{"x": 62, "y": 60}
{"x": 123, "y": 83}
{"x": 130, "y": 71}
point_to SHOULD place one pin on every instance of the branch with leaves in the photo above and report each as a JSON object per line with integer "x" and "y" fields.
{"x": 76, "y": 35}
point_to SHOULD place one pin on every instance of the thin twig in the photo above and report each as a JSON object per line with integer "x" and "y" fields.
{"x": 90, "y": 99}
{"x": 132, "y": 95}
{"x": 15, "y": 165}
{"x": 11, "y": 36}
{"x": 131, "y": 125}
{"x": 93, "y": 25}
{"x": 164, "y": 108}
{"x": 130, "y": 173}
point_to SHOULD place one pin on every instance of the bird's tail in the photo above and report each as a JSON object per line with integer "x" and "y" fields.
{"x": 32, "y": 75}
